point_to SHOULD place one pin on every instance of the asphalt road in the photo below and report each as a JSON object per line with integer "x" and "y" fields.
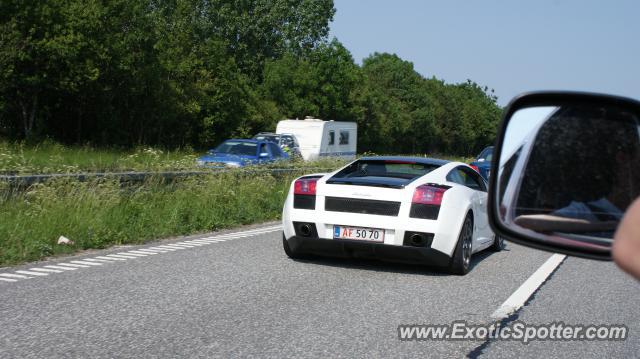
{"x": 238, "y": 295}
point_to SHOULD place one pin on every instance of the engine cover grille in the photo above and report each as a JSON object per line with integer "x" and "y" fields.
{"x": 364, "y": 206}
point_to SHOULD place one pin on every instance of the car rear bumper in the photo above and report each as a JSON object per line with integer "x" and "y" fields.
{"x": 369, "y": 250}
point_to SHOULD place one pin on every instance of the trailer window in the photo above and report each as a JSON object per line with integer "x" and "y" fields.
{"x": 344, "y": 137}
{"x": 332, "y": 138}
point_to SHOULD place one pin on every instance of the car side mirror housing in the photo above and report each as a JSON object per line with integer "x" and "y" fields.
{"x": 264, "y": 155}
{"x": 565, "y": 168}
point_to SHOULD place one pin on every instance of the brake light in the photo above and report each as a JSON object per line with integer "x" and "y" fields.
{"x": 475, "y": 168}
{"x": 426, "y": 194}
{"x": 305, "y": 186}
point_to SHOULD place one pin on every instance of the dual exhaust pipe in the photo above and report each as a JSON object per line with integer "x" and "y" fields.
{"x": 305, "y": 229}
{"x": 417, "y": 239}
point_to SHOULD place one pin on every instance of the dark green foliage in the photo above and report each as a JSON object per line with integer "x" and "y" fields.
{"x": 321, "y": 84}
{"x": 406, "y": 113}
{"x": 178, "y": 73}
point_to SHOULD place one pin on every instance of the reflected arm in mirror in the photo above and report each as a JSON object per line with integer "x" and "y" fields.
{"x": 551, "y": 223}
{"x": 566, "y": 170}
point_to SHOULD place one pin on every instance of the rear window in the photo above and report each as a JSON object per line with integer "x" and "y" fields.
{"x": 237, "y": 148}
{"x": 391, "y": 169}
{"x": 270, "y": 138}
{"x": 486, "y": 154}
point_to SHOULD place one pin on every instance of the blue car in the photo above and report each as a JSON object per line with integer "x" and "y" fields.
{"x": 240, "y": 153}
{"x": 482, "y": 164}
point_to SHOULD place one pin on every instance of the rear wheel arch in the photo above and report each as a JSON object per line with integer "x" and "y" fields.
{"x": 461, "y": 258}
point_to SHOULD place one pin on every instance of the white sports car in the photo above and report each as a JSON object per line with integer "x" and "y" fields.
{"x": 401, "y": 209}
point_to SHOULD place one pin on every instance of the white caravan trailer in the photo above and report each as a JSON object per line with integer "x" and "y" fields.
{"x": 318, "y": 138}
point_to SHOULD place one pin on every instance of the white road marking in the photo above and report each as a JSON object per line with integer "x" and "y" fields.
{"x": 202, "y": 241}
{"x": 191, "y": 244}
{"x": 140, "y": 252}
{"x": 524, "y": 292}
{"x": 163, "y": 249}
{"x": 110, "y": 259}
{"x": 180, "y": 245}
{"x": 185, "y": 244}
{"x": 72, "y": 265}
{"x": 10, "y": 275}
{"x": 86, "y": 263}
{"x": 120, "y": 256}
{"x": 131, "y": 254}
{"x": 249, "y": 232}
{"x": 265, "y": 229}
{"x": 98, "y": 260}
{"x": 220, "y": 239}
{"x": 240, "y": 235}
{"x": 244, "y": 234}
{"x": 61, "y": 268}
{"x": 174, "y": 248}
{"x": 123, "y": 256}
{"x": 154, "y": 251}
{"x": 126, "y": 254}
{"x": 46, "y": 270}
{"x": 31, "y": 273}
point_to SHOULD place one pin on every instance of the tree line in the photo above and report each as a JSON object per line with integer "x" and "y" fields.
{"x": 195, "y": 72}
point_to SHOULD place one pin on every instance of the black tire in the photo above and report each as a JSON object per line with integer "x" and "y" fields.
{"x": 287, "y": 249}
{"x": 498, "y": 244}
{"x": 461, "y": 260}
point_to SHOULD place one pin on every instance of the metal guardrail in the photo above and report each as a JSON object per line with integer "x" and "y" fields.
{"x": 28, "y": 180}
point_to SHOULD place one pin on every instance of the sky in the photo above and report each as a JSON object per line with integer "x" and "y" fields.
{"x": 523, "y": 124}
{"x": 509, "y": 46}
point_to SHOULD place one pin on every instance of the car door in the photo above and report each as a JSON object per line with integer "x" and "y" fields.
{"x": 476, "y": 182}
{"x": 472, "y": 180}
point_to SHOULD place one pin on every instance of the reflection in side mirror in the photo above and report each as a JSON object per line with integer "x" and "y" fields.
{"x": 568, "y": 166}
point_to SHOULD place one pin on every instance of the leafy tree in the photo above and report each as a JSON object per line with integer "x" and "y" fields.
{"x": 321, "y": 84}
{"x": 195, "y": 72}
{"x": 259, "y": 30}
{"x": 40, "y": 59}
{"x": 394, "y": 97}
{"x": 406, "y": 113}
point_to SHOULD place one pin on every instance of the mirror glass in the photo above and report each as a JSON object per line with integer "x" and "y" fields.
{"x": 568, "y": 172}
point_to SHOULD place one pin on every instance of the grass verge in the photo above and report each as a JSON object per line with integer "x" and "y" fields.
{"x": 50, "y": 157}
{"x": 102, "y": 213}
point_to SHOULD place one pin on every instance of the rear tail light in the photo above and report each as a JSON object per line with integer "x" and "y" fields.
{"x": 306, "y": 186}
{"x": 475, "y": 168}
{"x": 426, "y": 194}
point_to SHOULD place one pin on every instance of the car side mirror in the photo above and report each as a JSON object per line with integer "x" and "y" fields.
{"x": 264, "y": 155}
{"x": 565, "y": 168}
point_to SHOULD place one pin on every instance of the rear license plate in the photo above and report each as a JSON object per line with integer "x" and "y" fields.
{"x": 358, "y": 233}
